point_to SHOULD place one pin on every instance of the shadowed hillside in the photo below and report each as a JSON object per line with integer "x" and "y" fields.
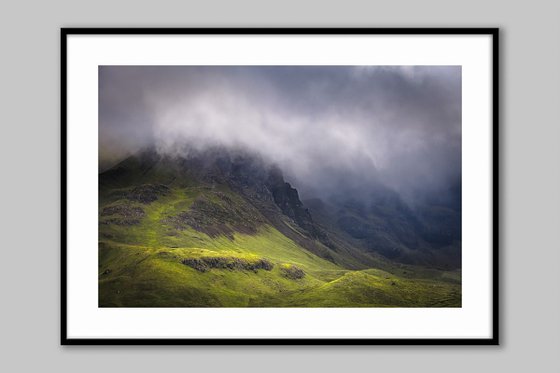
{"x": 225, "y": 229}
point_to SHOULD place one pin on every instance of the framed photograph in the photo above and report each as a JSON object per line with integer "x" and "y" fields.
{"x": 279, "y": 186}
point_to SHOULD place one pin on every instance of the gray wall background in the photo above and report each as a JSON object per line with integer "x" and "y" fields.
{"x": 29, "y": 146}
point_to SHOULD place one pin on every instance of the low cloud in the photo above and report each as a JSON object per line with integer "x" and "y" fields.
{"x": 329, "y": 128}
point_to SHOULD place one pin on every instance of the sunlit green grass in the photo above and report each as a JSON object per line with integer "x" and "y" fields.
{"x": 140, "y": 265}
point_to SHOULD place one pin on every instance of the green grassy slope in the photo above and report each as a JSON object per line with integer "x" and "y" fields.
{"x": 152, "y": 253}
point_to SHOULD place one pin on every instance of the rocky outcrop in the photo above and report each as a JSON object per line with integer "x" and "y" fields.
{"x": 122, "y": 214}
{"x": 292, "y": 272}
{"x": 204, "y": 264}
{"x": 147, "y": 193}
{"x": 124, "y": 211}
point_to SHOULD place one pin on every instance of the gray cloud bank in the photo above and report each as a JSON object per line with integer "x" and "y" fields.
{"x": 327, "y": 127}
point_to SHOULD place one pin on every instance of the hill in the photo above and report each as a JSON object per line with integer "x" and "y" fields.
{"x": 224, "y": 229}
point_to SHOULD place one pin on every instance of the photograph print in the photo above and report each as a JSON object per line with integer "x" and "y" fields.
{"x": 280, "y": 186}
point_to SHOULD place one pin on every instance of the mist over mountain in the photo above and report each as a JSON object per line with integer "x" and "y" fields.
{"x": 344, "y": 130}
{"x": 266, "y": 186}
{"x": 344, "y": 228}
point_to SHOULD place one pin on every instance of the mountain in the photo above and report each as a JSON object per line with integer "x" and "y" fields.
{"x": 224, "y": 228}
{"x": 382, "y": 223}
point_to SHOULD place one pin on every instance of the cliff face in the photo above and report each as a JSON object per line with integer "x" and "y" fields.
{"x": 287, "y": 199}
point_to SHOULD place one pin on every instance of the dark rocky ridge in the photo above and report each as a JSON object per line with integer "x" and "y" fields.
{"x": 217, "y": 219}
{"x": 341, "y": 227}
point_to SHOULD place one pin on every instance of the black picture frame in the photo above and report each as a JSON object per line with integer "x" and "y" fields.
{"x": 493, "y": 32}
